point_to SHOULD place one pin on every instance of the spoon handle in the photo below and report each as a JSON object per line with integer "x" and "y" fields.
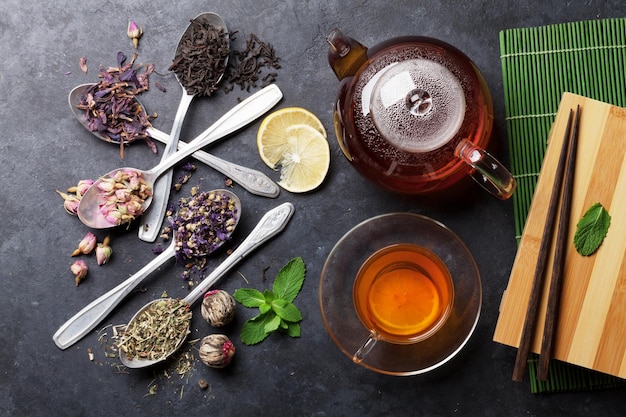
{"x": 250, "y": 179}
{"x": 272, "y": 223}
{"x": 240, "y": 115}
{"x": 89, "y": 317}
{"x": 150, "y": 225}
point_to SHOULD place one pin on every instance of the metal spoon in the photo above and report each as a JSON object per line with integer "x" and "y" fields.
{"x": 149, "y": 227}
{"x": 272, "y": 223}
{"x": 91, "y": 315}
{"x": 89, "y": 207}
{"x": 252, "y": 180}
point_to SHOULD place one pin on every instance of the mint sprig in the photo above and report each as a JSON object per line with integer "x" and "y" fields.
{"x": 276, "y": 309}
{"x": 591, "y": 229}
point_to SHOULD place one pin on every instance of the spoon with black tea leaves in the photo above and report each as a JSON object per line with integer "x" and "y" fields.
{"x": 272, "y": 223}
{"x": 150, "y": 222}
{"x": 91, "y": 315}
{"x": 98, "y": 207}
{"x": 252, "y": 180}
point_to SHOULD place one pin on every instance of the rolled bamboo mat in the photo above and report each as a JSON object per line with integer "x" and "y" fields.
{"x": 539, "y": 64}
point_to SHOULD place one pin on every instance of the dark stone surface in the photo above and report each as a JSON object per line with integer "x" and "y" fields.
{"x": 43, "y": 149}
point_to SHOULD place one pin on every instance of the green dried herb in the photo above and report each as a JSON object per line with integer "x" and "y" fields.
{"x": 157, "y": 331}
{"x": 276, "y": 309}
{"x": 591, "y": 229}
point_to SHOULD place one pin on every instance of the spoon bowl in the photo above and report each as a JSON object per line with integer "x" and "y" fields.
{"x": 272, "y": 223}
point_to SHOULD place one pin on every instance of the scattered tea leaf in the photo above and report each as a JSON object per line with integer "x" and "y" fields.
{"x": 591, "y": 229}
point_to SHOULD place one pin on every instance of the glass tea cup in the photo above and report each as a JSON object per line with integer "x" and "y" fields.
{"x": 403, "y": 294}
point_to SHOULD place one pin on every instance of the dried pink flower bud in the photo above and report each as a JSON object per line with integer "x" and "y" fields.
{"x": 103, "y": 252}
{"x": 86, "y": 246}
{"x": 70, "y": 203}
{"x": 79, "y": 268}
{"x": 83, "y": 186}
{"x": 134, "y": 32}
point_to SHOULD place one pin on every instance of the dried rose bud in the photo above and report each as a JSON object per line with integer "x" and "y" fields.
{"x": 82, "y": 187}
{"x": 218, "y": 308}
{"x": 103, "y": 251}
{"x": 79, "y": 268}
{"x": 216, "y": 350}
{"x": 86, "y": 246}
{"x": 70, "y": 203}
{"x": 134, "y": 32}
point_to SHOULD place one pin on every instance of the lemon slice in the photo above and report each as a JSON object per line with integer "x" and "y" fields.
{"x": 294, "y": 139}
{"x": 404, "y": 303}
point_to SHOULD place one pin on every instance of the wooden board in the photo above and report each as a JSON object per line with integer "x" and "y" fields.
{"x": 592, "y": 316}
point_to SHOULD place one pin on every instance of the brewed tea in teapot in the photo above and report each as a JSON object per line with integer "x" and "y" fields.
{"x": 413, "y": 114}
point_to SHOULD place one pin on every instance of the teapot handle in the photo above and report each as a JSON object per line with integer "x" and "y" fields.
{"x": 486, "y": 170}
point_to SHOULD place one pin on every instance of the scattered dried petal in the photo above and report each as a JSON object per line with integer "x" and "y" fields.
{"x": 83, "y": 64}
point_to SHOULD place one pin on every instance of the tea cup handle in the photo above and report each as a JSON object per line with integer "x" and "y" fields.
{"x": 487, "y": 170}
{"x": 365, "y": 348}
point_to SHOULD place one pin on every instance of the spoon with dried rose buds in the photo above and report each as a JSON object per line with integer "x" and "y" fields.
{"x": 250, "y": 179}
{"x": 160, "y": 327}
{"x": 124, "y": 194}
{"x": 208, "y": 60}
{"x": 203, "y": 223}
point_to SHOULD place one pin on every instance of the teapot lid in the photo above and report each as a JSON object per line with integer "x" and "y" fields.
{"x": 418, "y": 105}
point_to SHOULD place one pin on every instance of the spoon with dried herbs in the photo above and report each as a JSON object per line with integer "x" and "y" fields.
{"x": 125, "y": 193}
{"x": 252, "y": 180}
{"x": 199, "y": 65}
{"x": 159, "y": 328}
{"x": 203, "y": 223}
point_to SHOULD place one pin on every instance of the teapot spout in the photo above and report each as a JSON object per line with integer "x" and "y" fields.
{"x": 345, "y": 55}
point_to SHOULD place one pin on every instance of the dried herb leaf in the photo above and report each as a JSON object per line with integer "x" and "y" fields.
{"x": 591, "y": 230}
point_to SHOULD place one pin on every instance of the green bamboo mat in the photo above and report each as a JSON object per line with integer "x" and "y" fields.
{"x": 539, "y": 64}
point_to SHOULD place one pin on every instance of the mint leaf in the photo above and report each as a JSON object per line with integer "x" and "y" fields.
{"x": 286, "y": 310}
{"x": 253, "y": 330}
{"x": 293, "y": 330}
{"x": 591, "y": 230}
{"x": 289, "y": 280}
{"x": 271, "y": 325}
{"x": 276, "y": 308}
{"x": 249, "y": 297}
{"x": 265, "y": 307}
{"x": 269, "y": 296}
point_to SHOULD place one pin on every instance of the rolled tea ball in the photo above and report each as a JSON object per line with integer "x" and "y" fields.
{"x": 218, "y": 308}
{"x": 216, "y": 350}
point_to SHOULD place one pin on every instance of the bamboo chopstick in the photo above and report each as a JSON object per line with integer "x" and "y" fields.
{"x": 546, "y": 241}
{"x": 556, "y": 279}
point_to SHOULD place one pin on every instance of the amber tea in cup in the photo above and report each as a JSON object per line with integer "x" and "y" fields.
{"x": 403, "y": 294}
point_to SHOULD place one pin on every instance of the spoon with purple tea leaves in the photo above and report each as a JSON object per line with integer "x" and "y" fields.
{"x": 102, "y": 207}
{"x": 149, "y": 227}
{"x": 251, "y": 180}
{"x": 91, "y": 315}
{"x": 272, "y": 223}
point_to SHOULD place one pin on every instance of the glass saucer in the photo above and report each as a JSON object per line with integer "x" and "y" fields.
{"x": 342, "y": 265}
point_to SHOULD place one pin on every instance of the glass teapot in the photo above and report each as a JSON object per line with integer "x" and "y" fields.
{"x": 413, "y": 115}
